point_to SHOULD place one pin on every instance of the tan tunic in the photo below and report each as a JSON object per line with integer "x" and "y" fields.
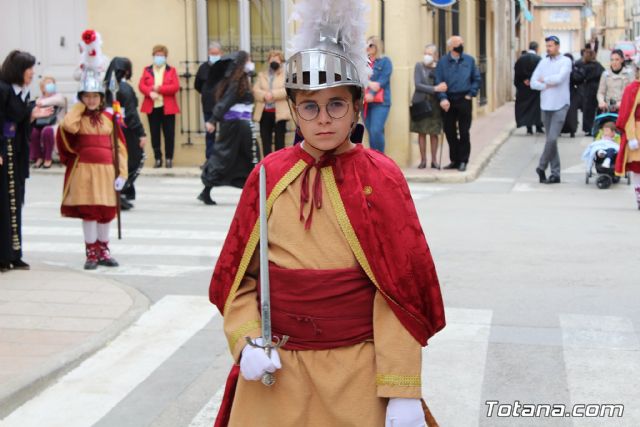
{"x": 91, "y": 183}
{"x": 347, "y": 386}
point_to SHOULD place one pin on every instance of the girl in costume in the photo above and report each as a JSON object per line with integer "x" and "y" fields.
{"x": 353, "y": 284}
{"x": 86, "y": 146}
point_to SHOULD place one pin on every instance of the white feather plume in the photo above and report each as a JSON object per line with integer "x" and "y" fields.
{"x": 317, "y": 17}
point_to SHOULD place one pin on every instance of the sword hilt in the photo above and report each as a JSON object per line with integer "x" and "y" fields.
{"x": 268, "y": 378}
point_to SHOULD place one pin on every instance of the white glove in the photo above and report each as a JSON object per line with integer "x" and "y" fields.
{"x": 119, "y": 183}
{"x": 633, "y": 144}
{"x": 254, "y": 361}
{"x": 404, "y": 413}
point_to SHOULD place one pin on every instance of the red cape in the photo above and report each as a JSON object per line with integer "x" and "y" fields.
{"x": 626, "y": 113}
{"x": 377, "y": 215}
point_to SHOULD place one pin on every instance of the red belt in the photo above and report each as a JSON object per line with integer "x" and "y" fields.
{"x": 321, "y": 309}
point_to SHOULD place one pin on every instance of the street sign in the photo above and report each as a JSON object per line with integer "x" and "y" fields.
{"x": 441, "y": 3}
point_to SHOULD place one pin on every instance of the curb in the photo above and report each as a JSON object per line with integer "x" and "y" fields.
{"x": 28, "y": 386}
{"x": 472, "y": 173}
{"x": 475, "y": 169}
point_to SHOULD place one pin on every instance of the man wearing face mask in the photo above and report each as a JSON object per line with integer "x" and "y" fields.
{"x": 271, "y": 110}
{"x": 459, "y": 71}
{"x": 205, "y": 84}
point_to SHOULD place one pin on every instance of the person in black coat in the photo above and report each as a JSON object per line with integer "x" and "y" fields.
{"x": 205, "y": 85}
{"x": 575, "y": 83}
{"x": 16, "y": 115}
{"x": 527, "y": 100}
{"x": 592, "y": 70}
{"x": 232, "y": 158}
{"x": 133, "y": 131}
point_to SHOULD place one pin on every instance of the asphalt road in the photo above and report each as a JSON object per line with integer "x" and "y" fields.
{"x": 541, "y": 285}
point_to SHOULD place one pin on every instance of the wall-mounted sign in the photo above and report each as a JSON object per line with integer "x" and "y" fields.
{"x": 441, "y": 3}
{"x": 560, "y": 16}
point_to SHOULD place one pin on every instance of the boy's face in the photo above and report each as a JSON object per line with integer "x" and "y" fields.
{"x": 325, "y": 117}
{"x": 91, "y": 100}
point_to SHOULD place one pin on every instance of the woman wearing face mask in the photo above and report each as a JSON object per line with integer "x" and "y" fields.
{"x": 232, "y": 159}
{"x": 431, "y": 123}
{"x": 159, "y": 83}
{"x": 271, "y": 111}
{"x": 377, "y": 96}
{"x": 44, "y": 129}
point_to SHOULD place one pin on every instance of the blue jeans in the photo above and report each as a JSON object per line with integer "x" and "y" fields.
{"x": 209, "y": 138}
{"x": 374, "y": 122}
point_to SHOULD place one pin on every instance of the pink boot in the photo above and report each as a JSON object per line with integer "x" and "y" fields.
{"x": 104, "y": 255}
{"x": 92, "y": 256}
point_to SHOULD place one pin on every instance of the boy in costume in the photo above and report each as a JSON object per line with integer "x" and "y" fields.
{"x": 85, "y": 142}
{"x": 353, "y": 284}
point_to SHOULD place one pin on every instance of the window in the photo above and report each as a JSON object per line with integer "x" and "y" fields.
{"x": 482, "y": 49}
{"x": 266, "y": 29}
{"x": 224, "y": 23}
{"x": 448, "y": 25}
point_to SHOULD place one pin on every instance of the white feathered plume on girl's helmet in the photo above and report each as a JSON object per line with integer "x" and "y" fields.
{"x": 92, "y": 63}
{"x": 329, "y": 49}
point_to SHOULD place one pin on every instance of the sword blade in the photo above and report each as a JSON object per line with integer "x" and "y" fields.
{"x": 265, "y": 300}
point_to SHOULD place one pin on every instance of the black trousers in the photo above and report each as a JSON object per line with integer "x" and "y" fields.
{"x": 167, "y": 123}
{"x": 134, "y": 165}
{"x": 268, "y": 125}
{"x": 457, "y": 122}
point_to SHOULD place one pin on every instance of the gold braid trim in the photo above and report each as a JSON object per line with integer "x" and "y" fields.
{"x": 399, "y": 380}
{"x": 242, "y": 331}
{"x": 350, "y": 234}
{"x": 254, "y": 238}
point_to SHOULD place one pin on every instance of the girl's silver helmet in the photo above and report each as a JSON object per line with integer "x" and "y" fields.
{"x": 91, "y": 81}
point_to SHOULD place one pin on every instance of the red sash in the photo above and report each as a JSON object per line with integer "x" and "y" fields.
{"x": 318, "y": 310}
{"x": 321, "y": 309}
{"x": 95, "y": 149}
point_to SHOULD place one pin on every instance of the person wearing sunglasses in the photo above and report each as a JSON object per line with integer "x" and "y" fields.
{"x": 552, "y": 77}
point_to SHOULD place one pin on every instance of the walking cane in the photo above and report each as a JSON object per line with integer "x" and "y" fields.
{"x": 117, "y": 112}
{"x": 441, "y": 146}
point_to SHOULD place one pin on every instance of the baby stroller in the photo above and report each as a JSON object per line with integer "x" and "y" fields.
{"x": 602, "y": 154}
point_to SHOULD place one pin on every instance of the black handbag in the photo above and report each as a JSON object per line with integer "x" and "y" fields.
{"x": 47, "y": 121}
{"x": 420, "y": 110}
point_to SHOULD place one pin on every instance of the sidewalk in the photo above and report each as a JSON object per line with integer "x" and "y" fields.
{"x": 488, "y": 133}
{"x": 50, "y": 320}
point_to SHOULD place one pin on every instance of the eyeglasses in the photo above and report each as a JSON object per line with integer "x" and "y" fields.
{"x": 309, "y": 110}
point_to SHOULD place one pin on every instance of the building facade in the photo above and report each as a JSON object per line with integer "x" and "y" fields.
{"x": 51, "y": 30}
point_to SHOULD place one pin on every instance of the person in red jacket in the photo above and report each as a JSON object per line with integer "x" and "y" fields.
{"x": 159, "y": 83}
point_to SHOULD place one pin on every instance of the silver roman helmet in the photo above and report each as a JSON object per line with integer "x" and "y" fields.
{"x": 329, "y": 49}
{"x": 91, "y": 81}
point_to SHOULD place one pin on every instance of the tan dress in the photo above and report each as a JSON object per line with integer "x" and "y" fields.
{"x": 347, "y": 386}
{"x": 90, "y": 184}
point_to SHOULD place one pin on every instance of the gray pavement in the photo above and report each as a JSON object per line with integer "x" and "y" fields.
{"x": 540, "y": 285}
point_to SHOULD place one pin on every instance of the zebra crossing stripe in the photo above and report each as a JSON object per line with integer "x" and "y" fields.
{"x": 602, "y": 359}
{"x": 453, "y": 366}
{"x": 136, "y": 233}
{"x": 118, "y": 248}
{"x": 208, "y": 413}
{"x": 89, "y": 392}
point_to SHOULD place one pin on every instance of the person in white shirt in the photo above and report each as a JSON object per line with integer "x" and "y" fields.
{"x": 551, "y": 78}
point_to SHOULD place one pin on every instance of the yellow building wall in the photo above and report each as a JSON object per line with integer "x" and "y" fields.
{"x": 131, "y": 29}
